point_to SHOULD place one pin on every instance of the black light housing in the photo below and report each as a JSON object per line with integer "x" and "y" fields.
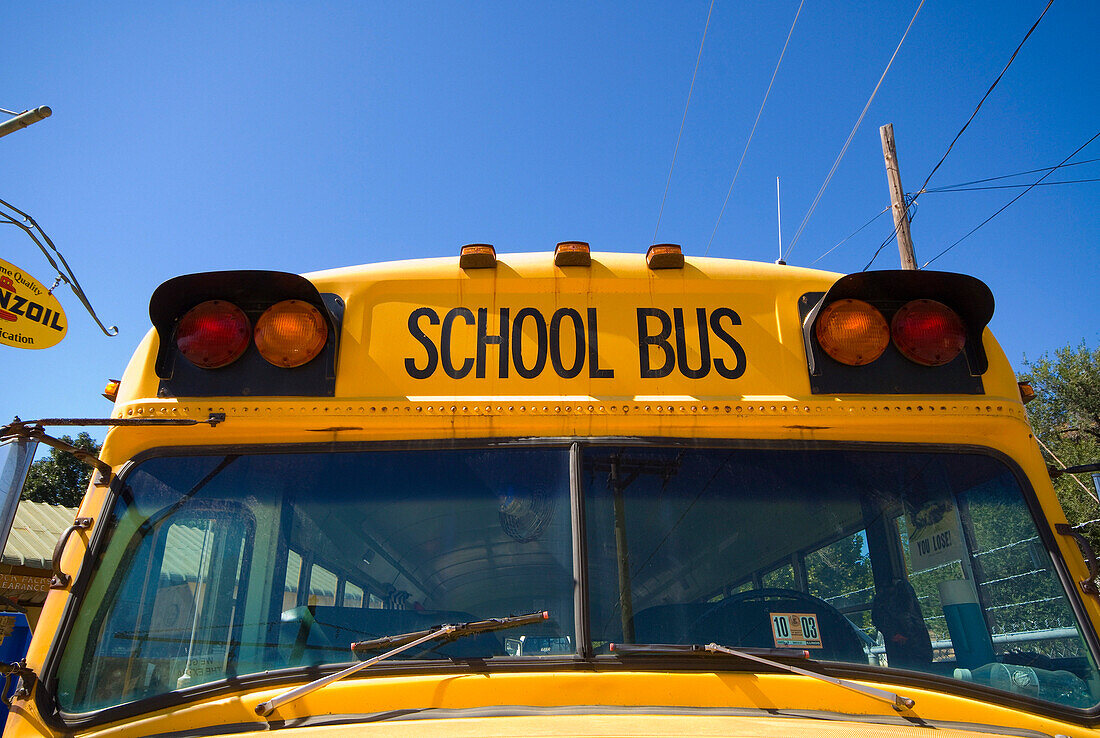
{"x": 253, "y": 292}
{"x": 891, "y": 292}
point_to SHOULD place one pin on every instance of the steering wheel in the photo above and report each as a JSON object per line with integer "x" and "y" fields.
{"x": 750, "y": 619}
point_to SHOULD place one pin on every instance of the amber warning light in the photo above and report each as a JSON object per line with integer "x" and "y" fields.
{"x": 290, "y": 333}
{"x": 852, "y": 332}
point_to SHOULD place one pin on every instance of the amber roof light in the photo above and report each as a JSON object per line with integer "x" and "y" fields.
{"x": 664, "y": 256}
{"x": 572, "y": 253}
{"x": 477, "y": 256}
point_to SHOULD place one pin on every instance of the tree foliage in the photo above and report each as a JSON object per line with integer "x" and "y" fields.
{"x": 1066, "y": 417}
{"x": 60, "y": 479}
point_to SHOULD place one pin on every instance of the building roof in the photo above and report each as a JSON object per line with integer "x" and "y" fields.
{"x": 35, "y": 532}
{"x": 38, "y": 527}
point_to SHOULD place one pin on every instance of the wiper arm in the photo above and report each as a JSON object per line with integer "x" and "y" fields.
{"x": 404, "y": 642}
{"x": 898, "y": 702}
{"x": 759, "y": 655}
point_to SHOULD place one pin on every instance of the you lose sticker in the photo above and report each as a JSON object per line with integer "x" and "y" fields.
{"x": 795, "y": 630}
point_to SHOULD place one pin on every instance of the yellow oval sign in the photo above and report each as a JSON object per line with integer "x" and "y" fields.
{"x": 30, "y": 317}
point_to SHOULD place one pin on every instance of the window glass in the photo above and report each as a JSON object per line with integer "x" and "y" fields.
{"x": 840, "y": 574}
{"x": 293, "y": 574}
{"x": 353, "y": 595}
{"x": 782, "y": 578}
{"x": 212, "y": 569}
{"x": 322, "y": 586}
{"x": 921, "y": 561}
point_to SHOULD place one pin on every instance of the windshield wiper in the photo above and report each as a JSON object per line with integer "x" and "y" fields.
{"x": 403, "y": 642}
{"x": 898, "y": 702}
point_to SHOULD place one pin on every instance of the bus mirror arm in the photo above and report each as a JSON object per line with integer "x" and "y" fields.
{"x": 1079, "y": 469}
{"x": 34, "y": 429}
{"x": 1088, "y": 586}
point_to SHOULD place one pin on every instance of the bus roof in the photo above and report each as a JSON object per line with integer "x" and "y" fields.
{"x": 616, "y": 334}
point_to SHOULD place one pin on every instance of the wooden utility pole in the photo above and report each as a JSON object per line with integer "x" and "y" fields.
{"x": 897, "y": 198}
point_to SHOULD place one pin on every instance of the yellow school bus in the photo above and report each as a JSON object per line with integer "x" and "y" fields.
{"x": 567, "y": 493}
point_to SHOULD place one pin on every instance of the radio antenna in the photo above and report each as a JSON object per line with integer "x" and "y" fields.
{"x": 779, "y": 219}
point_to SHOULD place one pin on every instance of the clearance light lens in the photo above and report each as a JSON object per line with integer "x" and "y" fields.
{"x": 928, "y": 332}
{"x": 213, "y": 334}
{"x": 291, "y": 333}
{"x": 110, "y": 390}
{"x": 572, "y": 253}
{"x": 852, "y": 332}
{"x": 477, "y": 256}
{"x": 664, "y": 256}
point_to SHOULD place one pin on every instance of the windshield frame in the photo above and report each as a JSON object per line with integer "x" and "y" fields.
{"x": 584, "y": 657}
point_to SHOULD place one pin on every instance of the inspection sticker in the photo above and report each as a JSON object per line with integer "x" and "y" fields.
{"x": 795, "y": 630}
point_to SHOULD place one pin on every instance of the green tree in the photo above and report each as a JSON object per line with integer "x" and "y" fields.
{"x": 60, "y": 479}
{"x": 1065, "y": 415}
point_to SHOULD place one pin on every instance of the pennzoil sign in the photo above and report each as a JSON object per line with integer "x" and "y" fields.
{"x": 30, "y": 317}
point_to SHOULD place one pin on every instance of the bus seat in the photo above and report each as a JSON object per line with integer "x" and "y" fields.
{"x": 896, "y": 613}
{"x": 667, "y": 623}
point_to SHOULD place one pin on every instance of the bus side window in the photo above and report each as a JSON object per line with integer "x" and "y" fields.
{"x": 779, "y": 578}
{"x": 353, "y": 595}
{"x": 840, "y": 574}
{"x": 322, "y": 586}
{"x": 293, "y": 575}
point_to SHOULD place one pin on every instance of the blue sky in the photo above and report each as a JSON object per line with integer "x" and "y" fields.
{"x": 201, "y": 136}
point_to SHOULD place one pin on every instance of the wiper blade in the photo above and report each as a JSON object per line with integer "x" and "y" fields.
{"x": 681, "y": 649}
{"x": 760, "y": 655}
{"x": 465, "y": 629}
{"x": 403, "y": 642}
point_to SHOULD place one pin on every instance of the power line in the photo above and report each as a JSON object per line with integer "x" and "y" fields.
{"x": 675, "y": 150}
{"x": 962, "y": 187}
{"x": 911, "y": 212}
{"x": 851, "y": 135}
{"x": 987, "y": 92}
{"x": 754, "y": 124}
{"x": 939, "y": 190}
{"x": 853, "y": 233}
{"x": 1017, "y": 174}
{"x": 1005, "y": 206}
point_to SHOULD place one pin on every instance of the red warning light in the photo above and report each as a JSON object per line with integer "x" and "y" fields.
{"x": 213, "y": 334}
{"x": 928, "y": 332}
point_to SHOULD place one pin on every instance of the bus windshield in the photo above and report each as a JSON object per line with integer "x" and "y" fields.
{"x": 218, "y": 566}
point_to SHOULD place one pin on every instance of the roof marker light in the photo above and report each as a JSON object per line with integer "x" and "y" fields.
{"x": 928, "y": 332}
{"x": 664, "y": 256}
{"x": 852, "y": 332}
{"x": 572, "y": 253}
{"x": 1027, "y": 392}
{"x": 477, "y": 256}
{"x": 213, "y": 334}
{"x": 110, "y": 390}
{"x": 291, "y": 333}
